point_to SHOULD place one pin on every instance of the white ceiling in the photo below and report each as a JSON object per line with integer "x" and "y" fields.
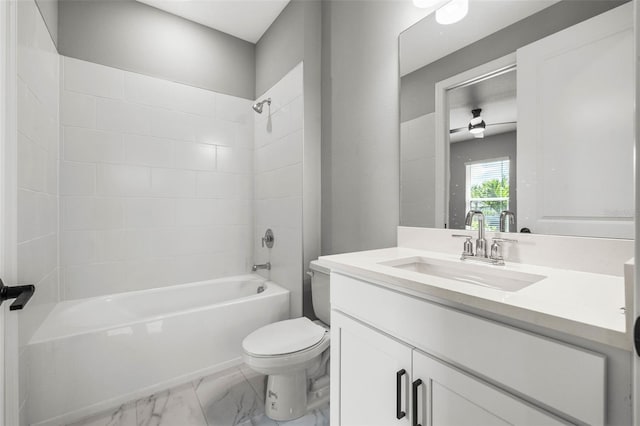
{"x": 245, "y": 19}
{"x": 428, "y": 41}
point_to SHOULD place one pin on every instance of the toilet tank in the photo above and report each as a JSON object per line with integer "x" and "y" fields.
{"x": 320, "y": 292}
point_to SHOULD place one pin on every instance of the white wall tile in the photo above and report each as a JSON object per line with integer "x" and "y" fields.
{"x": 81, "y": 281}
{"x": 144, "y": 90}
{"x": 121, "y": 116}
{"x": 284, "y": 182}
{"x": 173, "y": 183}
{"x": 280, "y": 153}
{"x": 122, "y": 180}
{"x": 32, "y": 161}
{"x": 234, "y": 160}
{"x": 197, "y": 212}
{"x": 193, "y": 100}
{"x": 77, "y": 178}
{"x": 157, "y": 210}
{"x": 88, "y": 213}
{"x": 143, "y": 213}
{"x": 195, "y": 156}
{"x": 77, "y": 110}
{"x": 93, "y": 146}
{"x": 214, "y": 131}
{"x": 232, "y": 108}
{"x": 123, "y": 244}
{"x": 77, "y": 247}
{"x": 93, "y": 79}
{"x": 172, "y": 124}
{"x": 148, "y": 151}
{"x": 278, "y": 141}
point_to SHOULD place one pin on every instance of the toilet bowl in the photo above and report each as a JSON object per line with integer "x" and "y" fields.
{"x": 294, "y": 354}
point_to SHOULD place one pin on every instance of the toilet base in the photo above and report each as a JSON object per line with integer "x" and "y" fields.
{"x": 288, "y": 396}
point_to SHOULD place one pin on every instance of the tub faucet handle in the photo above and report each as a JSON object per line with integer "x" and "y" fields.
{"x": 268, "y": 239}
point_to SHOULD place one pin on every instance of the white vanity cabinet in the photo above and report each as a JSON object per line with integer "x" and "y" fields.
{"x": 393, "y": 354}
{"x": 384, "y": 382}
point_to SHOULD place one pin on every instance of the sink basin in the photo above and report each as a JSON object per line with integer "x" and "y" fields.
{"x": 485, "y": 276}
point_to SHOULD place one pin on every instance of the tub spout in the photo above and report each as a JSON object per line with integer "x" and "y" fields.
{"x": 266, "y": 266}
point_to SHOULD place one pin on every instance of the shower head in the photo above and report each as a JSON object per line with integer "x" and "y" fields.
{"x": 257, "y": 107}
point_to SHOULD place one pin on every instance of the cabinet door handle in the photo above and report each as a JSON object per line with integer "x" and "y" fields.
{"x": 414, "y": 397}
{"x": 399, "y": 413}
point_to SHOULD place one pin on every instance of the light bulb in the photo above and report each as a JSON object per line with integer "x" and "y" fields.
{"x": 452, "y": 12}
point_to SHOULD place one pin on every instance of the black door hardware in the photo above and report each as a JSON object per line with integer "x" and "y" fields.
{"x": 22, "y": 294}
{"x": 636, "y": 335}
{"x": 399, "y": 413}
{"x": 414, "y": 396}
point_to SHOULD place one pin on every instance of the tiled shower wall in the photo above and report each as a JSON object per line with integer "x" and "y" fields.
{"x": 38, "y": 139}
{"x": 37, "y": 170}
{"x": 156, "y": 182}
{"x": 278, "y": 183}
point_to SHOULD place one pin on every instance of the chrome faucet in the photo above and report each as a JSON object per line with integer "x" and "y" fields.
{"x": 503, "y": 220}
{"x": 266, "y": 266}
{"x": 481, "y": 242}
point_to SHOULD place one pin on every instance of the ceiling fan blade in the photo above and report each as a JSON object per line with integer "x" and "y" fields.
{"x": 500, "y": 124}
{"x": 458, "y": 130}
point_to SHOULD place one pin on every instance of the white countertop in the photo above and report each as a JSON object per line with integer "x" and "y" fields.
{"x": 582, "y": 304}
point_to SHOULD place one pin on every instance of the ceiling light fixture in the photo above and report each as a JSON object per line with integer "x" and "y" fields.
{"x": 452, "y": 12}
{"x": 477, "y": 124}
{"x": 425, "y": 4}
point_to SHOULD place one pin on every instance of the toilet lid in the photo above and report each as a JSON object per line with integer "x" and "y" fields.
{"x": 284, "y": 337}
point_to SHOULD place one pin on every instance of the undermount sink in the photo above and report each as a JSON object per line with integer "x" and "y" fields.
{"x": 485, "y": 276}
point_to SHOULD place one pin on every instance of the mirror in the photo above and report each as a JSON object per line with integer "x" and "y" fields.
{"x": 554, "y": 142}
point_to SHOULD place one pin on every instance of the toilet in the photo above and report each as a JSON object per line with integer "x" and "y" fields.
{"x": 294, "y": 354}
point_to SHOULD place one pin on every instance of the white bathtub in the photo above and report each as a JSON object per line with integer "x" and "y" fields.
{"x": 93, "y": 354}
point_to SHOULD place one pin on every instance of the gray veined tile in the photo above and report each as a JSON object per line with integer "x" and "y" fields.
{"x": 261, "y": 420}
{"x": 175, "y": 407}
{"x": 318, "y": 417}
{"x": 125, "y": 415}
{"x": 229, "y": 400}
{"x": 257, "y": 381}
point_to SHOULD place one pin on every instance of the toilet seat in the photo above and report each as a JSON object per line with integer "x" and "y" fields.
{"x": 284, "y": 337}
{"x": 285, "y": 345}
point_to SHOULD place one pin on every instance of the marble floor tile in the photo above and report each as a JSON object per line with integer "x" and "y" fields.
{"x": 125, "y": 415}
{"x": 257, "y": 381}
{"x": 261, "y": 420}
{"x": 229, "y": 399}
{"x": 175, "y": 407}
{"x": 318, "y": 417}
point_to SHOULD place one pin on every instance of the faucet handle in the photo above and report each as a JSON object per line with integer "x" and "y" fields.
{"x": 467, "y": 249}
{"x": 496, "y": 248}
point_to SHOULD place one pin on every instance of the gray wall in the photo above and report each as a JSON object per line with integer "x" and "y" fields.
{"x": 49, "y": 11}
{"x": 295, "y": 36}
{"x": 132, "y": 36}
{"x": 503, "y": 145}
{"x": 418, "y": 87}
{"x": 361, "y": 130}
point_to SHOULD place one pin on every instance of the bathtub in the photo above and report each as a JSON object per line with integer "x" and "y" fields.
{"x": 94, "y": 354}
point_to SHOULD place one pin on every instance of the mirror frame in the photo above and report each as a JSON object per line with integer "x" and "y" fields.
{"x": 442, "y": 148}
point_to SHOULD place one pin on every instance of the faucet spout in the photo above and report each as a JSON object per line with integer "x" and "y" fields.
{"x": 504, "y": 215}
{"x": 481, "y": 242}
{"x": 266, "y": 266}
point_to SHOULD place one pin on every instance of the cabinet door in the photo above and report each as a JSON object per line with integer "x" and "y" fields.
{"x": 576, "y": 129}
{"x": 365, "y": 367}
{"x": 447, "y": 396}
